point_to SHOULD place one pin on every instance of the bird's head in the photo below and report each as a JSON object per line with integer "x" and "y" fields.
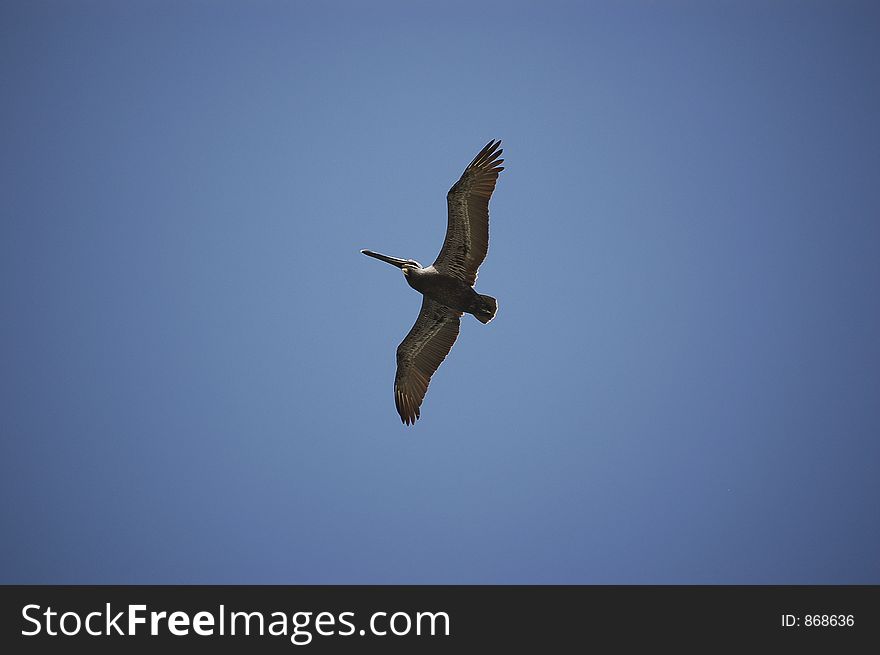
{"x": 405, "y": 265}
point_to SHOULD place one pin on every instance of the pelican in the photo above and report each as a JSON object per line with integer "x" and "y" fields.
{"x": 447, "y": 286}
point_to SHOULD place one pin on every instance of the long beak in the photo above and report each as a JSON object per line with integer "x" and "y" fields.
{"x": 385, "y": 258}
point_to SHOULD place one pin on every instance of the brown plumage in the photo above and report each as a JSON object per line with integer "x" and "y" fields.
{"x": 467, "y": 227}
{"x": 447, "y": 285}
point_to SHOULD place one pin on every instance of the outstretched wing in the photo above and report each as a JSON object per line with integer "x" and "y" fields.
{"x": 419, "y": 355}
{"x": 467, "y": 232}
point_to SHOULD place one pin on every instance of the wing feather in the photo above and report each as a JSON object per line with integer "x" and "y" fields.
{"x": 420, "y": 354}
{"x": 467, "y": 229}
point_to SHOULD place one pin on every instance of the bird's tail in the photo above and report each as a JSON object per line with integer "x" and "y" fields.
{"x": 487, "y": 311}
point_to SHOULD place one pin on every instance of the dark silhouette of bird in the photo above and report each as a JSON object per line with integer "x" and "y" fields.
{"x": 448, "y": 284}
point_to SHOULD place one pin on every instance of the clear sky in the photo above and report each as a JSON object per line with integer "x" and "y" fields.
{"x": 682, "y": 384}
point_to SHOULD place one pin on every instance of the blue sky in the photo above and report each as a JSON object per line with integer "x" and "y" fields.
{"x": 682, "y": 384}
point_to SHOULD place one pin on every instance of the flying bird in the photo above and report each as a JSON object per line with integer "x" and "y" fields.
{"x": 448, "y": 284}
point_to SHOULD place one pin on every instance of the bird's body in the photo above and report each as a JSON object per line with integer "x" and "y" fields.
{"x": 447, "y": 285}
{"x": 450, "y": 291}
